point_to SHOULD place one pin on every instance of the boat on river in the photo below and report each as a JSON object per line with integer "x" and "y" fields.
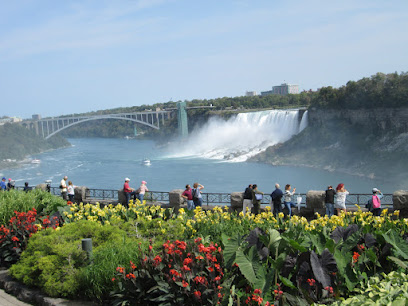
{"x": 146, "y": 162}
{"x": 36, "y": 161}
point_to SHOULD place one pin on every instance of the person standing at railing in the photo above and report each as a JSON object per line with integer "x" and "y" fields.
{"x": 376, "y": 201}
{"x": 341, "y": 194}
{"x": 63, "y": 187}
{"x": 141, "y": 191}
{"x": 287, "y": 199}
{"x": 257, "y": 197}
{"x": 3, "y": 185}
{"x": 71, "y": 191}
{"x": 329, "y": 200}
{"x": 189, "y": 197}
{"x": 276, "y": 201}
{"x": 196, "y": 193}
{"x": 128, "y": 191}
{"x": 247, "y": 199}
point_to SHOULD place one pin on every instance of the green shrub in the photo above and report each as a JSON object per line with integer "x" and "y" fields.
{"x": 391, "y": 290}
{"x": 96, "y": 279}
{"x": 54, "y": 258}
{"x": 15, "y": 200}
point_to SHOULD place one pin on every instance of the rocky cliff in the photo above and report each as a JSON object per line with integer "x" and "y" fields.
{"x": 361, "y": 142}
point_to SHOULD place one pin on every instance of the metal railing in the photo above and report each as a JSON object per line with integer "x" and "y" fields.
{"x": 220, "y": 199}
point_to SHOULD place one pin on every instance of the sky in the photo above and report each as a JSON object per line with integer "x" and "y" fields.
{"x": 65, "y": 57}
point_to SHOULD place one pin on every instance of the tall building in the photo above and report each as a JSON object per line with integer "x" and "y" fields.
{"x": 283, "y": 89}
{"x": 250, "y": 93}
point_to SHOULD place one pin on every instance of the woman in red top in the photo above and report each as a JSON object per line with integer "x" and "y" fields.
{"x": 189, "y": 197}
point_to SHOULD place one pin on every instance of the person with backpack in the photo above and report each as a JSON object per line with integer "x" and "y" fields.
{"x": 247, "y": 199}
{"x": 197, "y": 197}
{"x": 329, "y": 200}
{"x": 376, "y": 202}
{"x": 276, "y": 197}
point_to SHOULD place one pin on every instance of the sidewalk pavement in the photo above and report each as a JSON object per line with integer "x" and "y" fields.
{"x": 9, "y": 300}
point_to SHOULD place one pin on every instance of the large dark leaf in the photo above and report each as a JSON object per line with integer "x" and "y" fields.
{"x": 369, "y": 240}
{"x": 341, "y": 233}
{"x": 288, "y": 265}
{"x": 253, "y": 239}
{"x": 321, "y": 266}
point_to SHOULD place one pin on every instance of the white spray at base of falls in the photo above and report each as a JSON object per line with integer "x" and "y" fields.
{"x": 241, "y": 136}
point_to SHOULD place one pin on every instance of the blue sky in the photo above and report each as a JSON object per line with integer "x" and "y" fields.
{"x": 63, "y": 57}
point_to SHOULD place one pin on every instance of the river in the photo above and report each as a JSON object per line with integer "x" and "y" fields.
{"x": 104, "y": 163}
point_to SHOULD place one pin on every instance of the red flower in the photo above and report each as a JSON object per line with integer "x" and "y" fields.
{"x": 185, "y": 284}
{"x": 258, "y": 291}
{"x": 15, "y": 239}
{"x": 197, "y": 294}
{"x": 198, "y": 240}
{"x": 355, "y": 257}
{"x": 120, "y": 269}
{"x": 311, "y": 282}
{"x": 130, "y": 275}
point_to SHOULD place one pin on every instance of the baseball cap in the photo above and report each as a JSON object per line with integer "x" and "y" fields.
{"x": 3, "y": 178}
{"x": 127, "y": 179}
{"x": 144, "y": 182}
{"x": 375, "y": 190}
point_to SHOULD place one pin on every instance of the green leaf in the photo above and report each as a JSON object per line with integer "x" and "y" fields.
{"x": 249, "y": 265}
{"x": 399, "y": 244}
{"x": 399, "y": 262}
{"x": 231, "y": 245}
{"x": 287, "y": 282}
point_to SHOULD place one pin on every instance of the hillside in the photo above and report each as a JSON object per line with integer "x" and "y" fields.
{"x": 17, "y": 142}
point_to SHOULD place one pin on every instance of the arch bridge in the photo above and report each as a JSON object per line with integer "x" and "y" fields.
{"x": 48, "y": 127}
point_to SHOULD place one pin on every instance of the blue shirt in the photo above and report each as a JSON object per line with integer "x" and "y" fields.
{"x": 276, "y": 194}
{"x": 3, "y": 185}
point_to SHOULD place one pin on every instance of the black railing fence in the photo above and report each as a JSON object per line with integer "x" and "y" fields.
{"x": 219, "y": 198}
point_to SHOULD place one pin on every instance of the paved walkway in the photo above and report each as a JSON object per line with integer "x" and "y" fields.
{"x": 9, "y": 300}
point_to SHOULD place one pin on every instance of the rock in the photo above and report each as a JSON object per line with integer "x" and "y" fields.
{"x": 315, "y": 199}
{"x": 400, "y": 200}
{"x": 121, "y": 197}
{"x": 175, "y": 198}
{"x": 41, "y": 186}
{"x": 81, "y": 194}
{"x": 237, "y": 199}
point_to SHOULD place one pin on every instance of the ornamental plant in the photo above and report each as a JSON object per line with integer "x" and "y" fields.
{"x": 14, "y": 237}
{"x": 181, "y": 273}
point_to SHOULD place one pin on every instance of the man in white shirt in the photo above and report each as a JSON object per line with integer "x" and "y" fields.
{"x": 63, "y": 187}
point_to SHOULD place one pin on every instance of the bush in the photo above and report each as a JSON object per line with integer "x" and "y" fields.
{"x": 96, "y": 279}
{"x": 14, "y": 237}
{"x": 15, "y": 200}
{"x": 53, "y": 259}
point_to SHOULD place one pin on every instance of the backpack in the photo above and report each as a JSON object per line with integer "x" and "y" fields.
{"x": 194, "y": 193}
{"x": 369, "y": 205}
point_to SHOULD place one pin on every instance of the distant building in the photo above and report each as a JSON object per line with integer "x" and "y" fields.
{"x": 250, "y": 93}
{"x": 36, "y": 117}
{"x": 9, "y": 120}
{"x": 283, "y": 89}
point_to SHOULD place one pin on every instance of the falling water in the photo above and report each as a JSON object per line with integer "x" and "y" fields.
{"x": 303, "y": 122}
{"x": 241, "y": 136}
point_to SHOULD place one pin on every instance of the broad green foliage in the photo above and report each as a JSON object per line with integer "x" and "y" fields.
{"x": 13, "y": 200}
{"x": 53, "y": 259}
{"x": 386, "y": 289}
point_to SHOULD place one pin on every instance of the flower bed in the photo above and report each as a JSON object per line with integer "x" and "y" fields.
{"x": 208, "y": 257}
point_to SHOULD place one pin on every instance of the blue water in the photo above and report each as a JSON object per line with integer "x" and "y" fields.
{"x": 104, "y": 163}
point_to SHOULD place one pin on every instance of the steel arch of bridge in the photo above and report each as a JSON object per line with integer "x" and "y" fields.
{"x": 51, "y": 126}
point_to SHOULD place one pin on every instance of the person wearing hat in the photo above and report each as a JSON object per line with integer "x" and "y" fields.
{"x": 141, "y": 191}
{"x": 10, "y": 184}
{"x": 128, "y": 191}
{"x": 376, "y": 201}
{"x": 3, "y": 184}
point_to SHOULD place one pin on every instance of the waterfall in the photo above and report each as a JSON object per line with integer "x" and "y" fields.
{"x": 241, "y": 136}
{"x": 303, "y": 122}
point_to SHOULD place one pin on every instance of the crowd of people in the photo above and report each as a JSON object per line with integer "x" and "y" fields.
{"x": 333, "y": 199}
{"x": 252, "y": 197}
